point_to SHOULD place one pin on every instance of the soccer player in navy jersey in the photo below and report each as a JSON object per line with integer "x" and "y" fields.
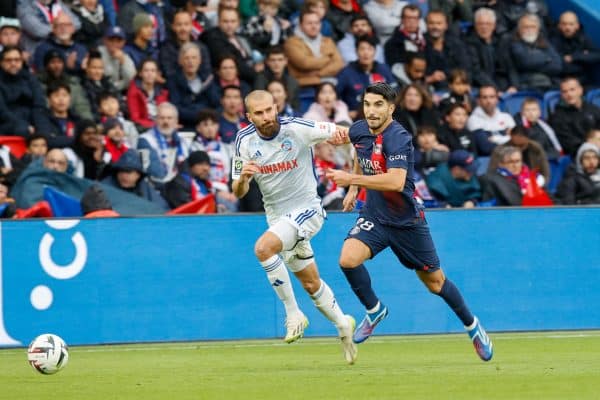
{"x": 391, "y": 216}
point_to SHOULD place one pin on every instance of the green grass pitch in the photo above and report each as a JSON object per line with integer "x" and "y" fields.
{"x": 530, "y": 366}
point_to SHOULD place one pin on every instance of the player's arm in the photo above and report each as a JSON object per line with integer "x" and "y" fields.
{"x": 391, "y": 181}
{"x": 349, "y": 202}
{"x": 340, "y": 136}
{"x": 241, "y": 185}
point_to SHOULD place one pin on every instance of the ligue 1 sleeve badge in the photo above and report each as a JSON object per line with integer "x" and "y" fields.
{"x": 236, "y": 168}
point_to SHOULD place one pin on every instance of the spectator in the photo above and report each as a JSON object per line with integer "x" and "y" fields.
{"x": 460, "y": 91}
{"x": 579, "y": 55}
{"x": 453, "y": 132}
{"x": 320, "y": 7}
{"x": 455, "y": 11}
{"x": 195, "y": 183}
{"x": 224, "y": 40}
{"x": 7, "y": 204}
{"x": 118, "y": 66}
{"x": 62, "y": 40}
{"x": 95, "y": 203}
{"x": 328, "y": 107}
{"x": 534, "y": 156}
{"x": 581, "y": 184}
{"x": 573, "y": 117}
{"x": 408, "y": 38}
{"x": 198, "y": 11}
{"x": 56, "y": 160}
{"x": 414, "y": 108}
{"x": 331, "y": 194}
{"x": 509, "y": 13}
{"x": 162, "y": 149}
{"x": 339, "y": 14}
{"x": 454, "y": 183}
{"x": 24, "y": 103}
{"x": 411, "y": 71}
{"x": 267, "y": 29}
{"x": 431, "y": 152}
{"x": 231, "y": 119}
{"x": 189, "y": 89}
{"x": 153, "y": 9}
{"x": 443, "y": 51}
{"x": 537, "y": 129}
{"x": 53, "y": 72}
{"x": 207, "y": 139}
{"x": 61, "y": 131}
{"x": 488, "y": 53}
{"x": 354, "y": 78}
{"x": 227, "y": 74}
{"x": 312, "y": 57}
{"x": 10, "y": 35}
{"x": 537, "y": 63}
{"x": 37, "y": 147}
{"x": 145, "y": 94}
{"x": 114, "y": 139}
{"x": 385, "y": 16}
{"x": 502, "y": 186}
{"x": 93, "y": 22}
{"x": 10, "y": 166}
{"x": 140, "y": 47}
{"x": 110, "y": 107}
{"x": 489, "y": 124}
{"x": 182, "y": 32}
{"x": 276, "y": 69}
{"x": 37, "y": 18}
{"x": 279, "y": 93}
{"x": 593, "y": 136}
{"x": 87, "y": 155}
{"x": 128, "y": 175}
{"x": 95, "y": 83}
{"x": 359, "y": 26}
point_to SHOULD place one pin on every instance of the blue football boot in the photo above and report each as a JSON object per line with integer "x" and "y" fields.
{"x": 481, "y": 341}
{"x": 368, "y": 324}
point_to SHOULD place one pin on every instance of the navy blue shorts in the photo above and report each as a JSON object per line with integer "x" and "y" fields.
{"x": 412, "y": 244}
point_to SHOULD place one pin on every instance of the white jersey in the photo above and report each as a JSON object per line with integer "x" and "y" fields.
{"x": 287, "y": 178}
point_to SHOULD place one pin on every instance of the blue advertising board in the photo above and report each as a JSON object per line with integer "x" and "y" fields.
{"x": 196, "y": 278}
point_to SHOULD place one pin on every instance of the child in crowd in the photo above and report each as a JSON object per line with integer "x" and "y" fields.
{"x": 431, "y": 152}
{"x": 37, "y": 147}
{"x": 110, "y": 107}
{"x": 459, "y": 91}
{"x": 114, "y": 138}
{"x": 280, "y": 95}
{"x": 95, "y": 83}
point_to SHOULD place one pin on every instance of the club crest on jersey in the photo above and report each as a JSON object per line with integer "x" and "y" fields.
{"x": 286, "y": 145}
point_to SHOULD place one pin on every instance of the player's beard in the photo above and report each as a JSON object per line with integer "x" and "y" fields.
{"x": 376, "y": 124}
{"x": 269, "y": 129}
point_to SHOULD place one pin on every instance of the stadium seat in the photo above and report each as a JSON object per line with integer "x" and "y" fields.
{"x": 62, "y": 204}
{"x": 307, "y": 97}
{"x": 205, "y": 205}
{"x": 41, "y": 209}
{"x": 593, "y": 96}
{"x": 511, "y": 102}
{"x": 16, "y": 144}
{"x": 551, "y": 99}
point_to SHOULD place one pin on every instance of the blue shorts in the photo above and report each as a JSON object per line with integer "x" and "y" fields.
{"x": 412, "y": 243}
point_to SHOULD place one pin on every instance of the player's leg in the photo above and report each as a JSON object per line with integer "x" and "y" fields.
{"x": 267, "y": 250}
{"x": 324, "y": 299}
{"x": 415, "y": 248}
{"x": 364, "y": 240}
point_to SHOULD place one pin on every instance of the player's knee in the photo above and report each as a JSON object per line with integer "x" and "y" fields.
{"x": 434, "y": 285}
{"x": 263, "y": 250}
{"x": 349, "y": 261}
{"x": 311, "y": 285}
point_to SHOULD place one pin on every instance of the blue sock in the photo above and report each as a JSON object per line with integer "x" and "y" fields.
{"x": 360, "y": 282}
{"x": 454, "y": 299}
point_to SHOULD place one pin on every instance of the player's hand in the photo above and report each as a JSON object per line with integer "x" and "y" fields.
{"x": 341, "y": 178}
{"x": 340, "y": 136}
{"x": 349, "y": 201}
{"x": 249, "y": 169}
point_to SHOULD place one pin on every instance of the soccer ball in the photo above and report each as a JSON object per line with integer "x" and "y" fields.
{"x": 48, "y": 354}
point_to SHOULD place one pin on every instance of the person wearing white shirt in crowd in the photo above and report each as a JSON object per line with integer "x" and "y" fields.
{"x": 488, "y": 117}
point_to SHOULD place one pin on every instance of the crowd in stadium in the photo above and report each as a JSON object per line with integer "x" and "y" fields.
{"x": 146, "y": 96}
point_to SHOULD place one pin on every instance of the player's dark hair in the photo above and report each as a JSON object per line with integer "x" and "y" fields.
{"x": 383, "y": 89}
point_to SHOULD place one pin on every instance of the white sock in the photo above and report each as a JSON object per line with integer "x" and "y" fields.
{"x": 279, "y": 278}
{"x": 329, "y": 307}
{"x": 374, "y": 309}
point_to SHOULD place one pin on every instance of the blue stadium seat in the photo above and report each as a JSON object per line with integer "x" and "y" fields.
{"x": 593, "y": 96}
{"x": 511, "y": 102}
{"x": 551, "y": 99}
{"x": 307, "y": 97}
{"x": 62, "y": 204}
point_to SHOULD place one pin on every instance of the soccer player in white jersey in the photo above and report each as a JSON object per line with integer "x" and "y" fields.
{"x": 277, "y": 153}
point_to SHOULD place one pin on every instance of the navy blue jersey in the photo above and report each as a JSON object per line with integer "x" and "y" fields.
{"x": 394, "y": 150}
